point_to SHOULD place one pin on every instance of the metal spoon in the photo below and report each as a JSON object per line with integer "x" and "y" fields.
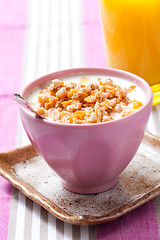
{"x": 25, "y": 104}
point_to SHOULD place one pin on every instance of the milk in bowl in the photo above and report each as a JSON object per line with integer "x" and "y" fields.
{"x": 87, "y": 99}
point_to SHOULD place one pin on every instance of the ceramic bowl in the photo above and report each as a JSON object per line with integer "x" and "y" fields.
{"x": 88, "y": 157}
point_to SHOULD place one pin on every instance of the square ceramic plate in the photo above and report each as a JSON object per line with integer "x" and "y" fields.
{"x": 139, "y": 183}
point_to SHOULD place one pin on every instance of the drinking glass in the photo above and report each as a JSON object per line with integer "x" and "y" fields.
{"x": 132, "y": 38}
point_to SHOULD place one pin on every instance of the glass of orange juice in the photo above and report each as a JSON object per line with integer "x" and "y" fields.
{"x": 132, "y": 38}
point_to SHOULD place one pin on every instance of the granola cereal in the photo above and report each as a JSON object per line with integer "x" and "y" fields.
{"x": 85, "y": 102}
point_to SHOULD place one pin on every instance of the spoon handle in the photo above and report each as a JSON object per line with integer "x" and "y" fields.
{"x": 156, "y": 94}
{"x": 25, "y": 104}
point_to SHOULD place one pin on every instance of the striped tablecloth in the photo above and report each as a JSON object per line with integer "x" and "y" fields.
{"x": 38, "y": 37}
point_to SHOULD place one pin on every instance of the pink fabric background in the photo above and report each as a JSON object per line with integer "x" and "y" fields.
{"x": 141, "y": 223}
{"x": 12, "y": 37}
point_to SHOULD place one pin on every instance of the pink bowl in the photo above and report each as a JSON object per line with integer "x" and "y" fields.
{"x": 88, "y": 158}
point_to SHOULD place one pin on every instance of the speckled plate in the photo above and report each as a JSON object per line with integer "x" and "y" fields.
{"x": 139, "y": 183}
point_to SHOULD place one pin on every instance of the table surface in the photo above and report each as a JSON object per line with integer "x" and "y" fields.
{"x": 38, "y": 37}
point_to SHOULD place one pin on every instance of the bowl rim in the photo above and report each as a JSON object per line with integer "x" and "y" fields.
{"x": 112, "y": 72}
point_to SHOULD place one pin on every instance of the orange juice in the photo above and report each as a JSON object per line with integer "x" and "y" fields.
{"x": 132, "y": 36}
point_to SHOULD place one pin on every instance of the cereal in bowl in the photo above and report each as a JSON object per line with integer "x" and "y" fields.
{"x": 85, "y": 101}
